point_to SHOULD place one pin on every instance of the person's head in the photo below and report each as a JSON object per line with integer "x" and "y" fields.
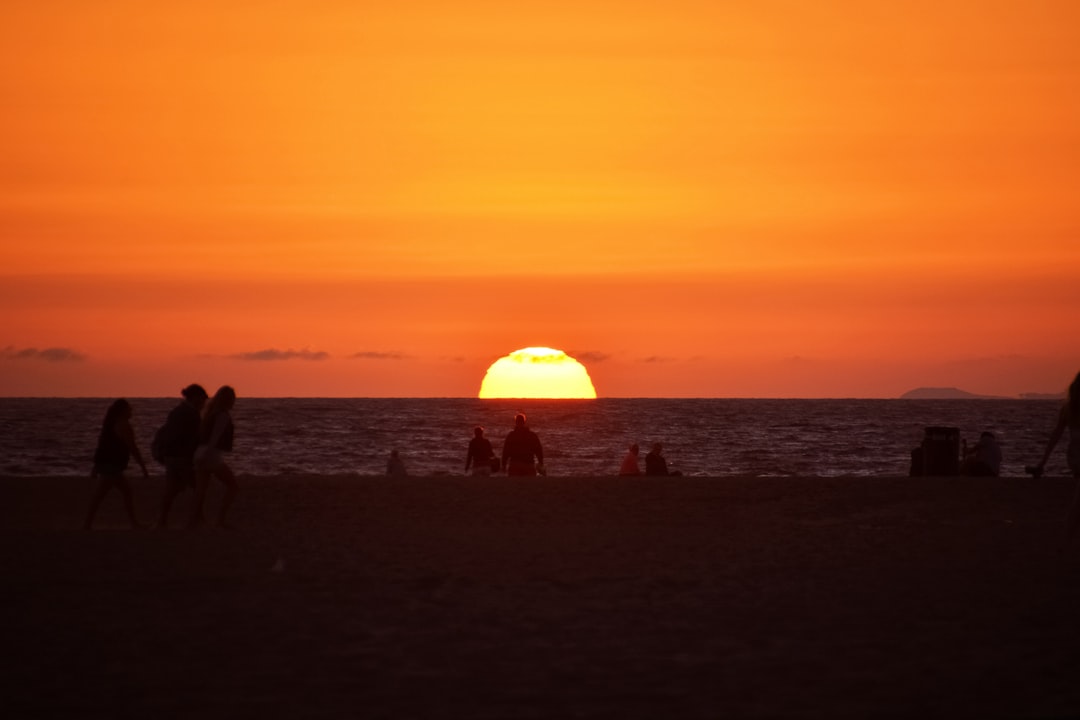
{"x": 478, "y": 431}
{"x": 195, "y": 394}
{"x": 987, "y": 437}
{"x": 120, "y": 409}
{"x": 394, "y": 455}
{"x": 634, "y": 448}
{"x": 223, "y": 400}
{"x": 657, "y": 448}
{"x": 1074, "y": 396}
{"x": 519, "y": 420}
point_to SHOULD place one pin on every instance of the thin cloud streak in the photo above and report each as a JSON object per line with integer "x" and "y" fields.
{"x": 273, "y": 354}
{"x": 591, "y": 356}
{"x": 376, "y": 355}
{"x": 53, "y": 354}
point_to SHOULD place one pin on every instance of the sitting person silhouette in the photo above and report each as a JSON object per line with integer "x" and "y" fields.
{"x": 655, "y": 464}
{"x": 630, "y": 462}
{"x": 983, "y": 460}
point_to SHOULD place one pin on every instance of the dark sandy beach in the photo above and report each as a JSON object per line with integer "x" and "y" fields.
{"x": 547, "y": 598}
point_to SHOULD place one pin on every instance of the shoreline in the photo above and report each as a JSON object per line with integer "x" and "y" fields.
{"x": 548, "y": 597}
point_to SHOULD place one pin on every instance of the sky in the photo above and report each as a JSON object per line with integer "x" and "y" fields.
{"x": 694, "y": 199}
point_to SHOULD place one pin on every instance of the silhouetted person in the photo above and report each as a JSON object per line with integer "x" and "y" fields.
{"x": 630, "y": 462}
{"x": 480, "y": 454}
{"x": 215, "y": 440}
{"x": 519, "y": 449}
{"x": 115, "y": 447}
{"x": 1068, "y": 417}
{"x": 983, "y": 460}
{"x": 181, "y": 439}
{"x": 655, "y": 464}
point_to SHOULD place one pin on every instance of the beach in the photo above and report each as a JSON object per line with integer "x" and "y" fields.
{"x": 557, "y": 597}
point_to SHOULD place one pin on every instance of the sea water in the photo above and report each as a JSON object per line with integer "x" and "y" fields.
{"x": 715, "y": 437}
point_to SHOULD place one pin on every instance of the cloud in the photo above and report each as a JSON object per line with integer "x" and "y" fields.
{"x": 376, "y": 355}
{"x": 589, "y": 356}
{"x": 657, "y": 359}
{"x": 272, "y": 354}
{"x": 53, "y": 354}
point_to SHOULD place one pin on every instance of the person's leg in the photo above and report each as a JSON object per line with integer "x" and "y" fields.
{"x": 129, "y": 501}
{"x": 178, "y": 475}
{"x": 171, "y": 491}
{"x": 202, "y": 481}
{"x": 103, "y": 484}
{"x": 225, "y": 474}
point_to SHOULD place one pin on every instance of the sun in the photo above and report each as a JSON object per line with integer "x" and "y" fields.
{"x": 537, "y": 372}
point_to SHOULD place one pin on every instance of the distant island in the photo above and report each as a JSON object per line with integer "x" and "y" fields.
{"x": 951, "y": 393}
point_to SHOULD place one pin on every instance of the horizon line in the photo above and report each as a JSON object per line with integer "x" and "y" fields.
{"x": 1030, "y": 396}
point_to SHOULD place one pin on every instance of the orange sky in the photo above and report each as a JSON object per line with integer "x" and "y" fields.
{"x": 777, "y": 198}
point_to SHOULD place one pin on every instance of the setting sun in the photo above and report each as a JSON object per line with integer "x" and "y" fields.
{"x": 537, "y": 372}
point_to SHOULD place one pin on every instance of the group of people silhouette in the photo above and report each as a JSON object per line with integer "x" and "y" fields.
{"x": 655, "y": 462}
{"x": 523, "y": 456}
{"x": 192, "y": 445}
{"x": 198, "y": 433}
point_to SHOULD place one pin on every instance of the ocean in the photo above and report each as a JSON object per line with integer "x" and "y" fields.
{"x": 704, "y": 437}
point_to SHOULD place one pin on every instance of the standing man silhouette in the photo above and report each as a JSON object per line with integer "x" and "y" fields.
{"x": 519, "y": 449}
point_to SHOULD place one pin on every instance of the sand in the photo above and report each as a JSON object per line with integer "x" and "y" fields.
{"x": 547, "y": 598}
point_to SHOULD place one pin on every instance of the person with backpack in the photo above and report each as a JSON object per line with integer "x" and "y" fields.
{"x": 174, "y": 447}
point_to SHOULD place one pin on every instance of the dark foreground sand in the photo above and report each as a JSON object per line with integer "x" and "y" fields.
{"x": 547, "y": 598}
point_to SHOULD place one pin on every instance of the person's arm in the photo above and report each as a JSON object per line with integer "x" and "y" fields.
{"x": 1063, "y": 420}
{"x": 123, "y": 429}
